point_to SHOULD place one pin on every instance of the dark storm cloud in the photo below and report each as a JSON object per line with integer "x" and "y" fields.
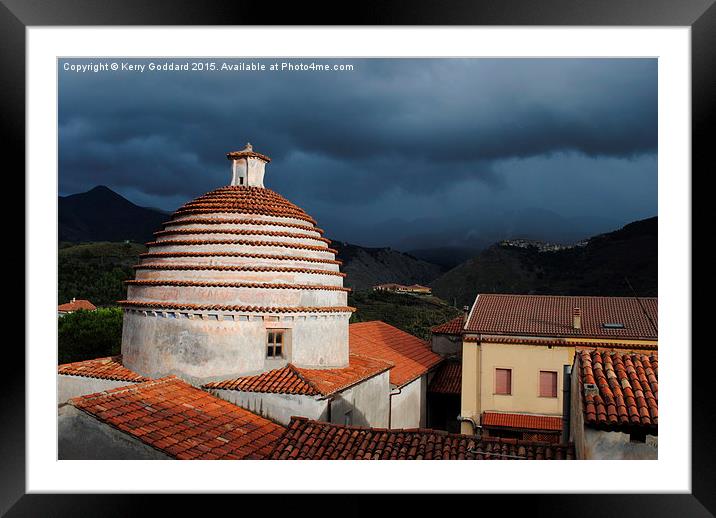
{"x": 351, "y": 138}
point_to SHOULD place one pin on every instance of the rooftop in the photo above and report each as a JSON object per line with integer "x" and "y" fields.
{"x": 447, "y": 379}
{"x": 310, "y": 382}
{"x": 451, "y": 327}
{"x": 521, "y": 421}
{"x": 183, "y": 421}
{"x": 308, "y": 439}
{"x": 109, "y": 368}
{"x": 77, "y": 304}
{"x": 411, "y": 356}
{"x": 619, "y": 391}
{"x": 549, "y": 315}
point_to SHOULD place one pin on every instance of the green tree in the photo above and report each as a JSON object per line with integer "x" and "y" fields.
{"x": 84, "y": 335}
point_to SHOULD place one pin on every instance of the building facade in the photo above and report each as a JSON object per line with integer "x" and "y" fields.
{"x": 516, "y": 348}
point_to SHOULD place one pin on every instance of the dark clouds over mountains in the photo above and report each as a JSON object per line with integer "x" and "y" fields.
{"x": 407, "y": 153}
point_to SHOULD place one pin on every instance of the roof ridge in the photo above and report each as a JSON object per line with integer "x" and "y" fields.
{"x": 296, "y": 370}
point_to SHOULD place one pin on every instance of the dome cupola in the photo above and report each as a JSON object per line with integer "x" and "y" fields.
{"x": 238, "y": 281}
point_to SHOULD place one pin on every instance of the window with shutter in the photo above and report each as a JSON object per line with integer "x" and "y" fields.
{"x": 547, "y": 384}
{"x": 503, "y": 381}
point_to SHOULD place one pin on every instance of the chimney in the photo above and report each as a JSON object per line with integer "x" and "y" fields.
{"x": 465, "y": 311}
{"x": 73, "y": 300}
{"x": 247, "y": 167}
{"x": 577, "y": 318}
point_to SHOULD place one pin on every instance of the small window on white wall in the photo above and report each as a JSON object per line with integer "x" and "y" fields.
{"x": 274, "y": 344}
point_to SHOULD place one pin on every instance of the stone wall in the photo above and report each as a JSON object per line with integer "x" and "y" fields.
{"x": 82, "y": 437}
{"x": 276, "y": 407}
{"x": 73, "y": 386}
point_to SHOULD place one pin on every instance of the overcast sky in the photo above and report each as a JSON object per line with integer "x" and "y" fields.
{"x": 409, "y": 153}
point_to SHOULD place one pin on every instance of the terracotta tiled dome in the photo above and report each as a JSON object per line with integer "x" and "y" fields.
{"x": 235, "y": 257}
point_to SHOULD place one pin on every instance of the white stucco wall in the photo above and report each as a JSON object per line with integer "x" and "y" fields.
{"x": 603, "y": 445}
{"x": 213, "y": 346}
{"x": 277, "y": 407}
{"x": 368, "y": 402}
{"x": 408, "y": 408}
{"x": 73, "y": 386}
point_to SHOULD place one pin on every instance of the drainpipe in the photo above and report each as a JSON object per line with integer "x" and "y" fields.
{"x": 566, "y": 401}
{"x": 390, "y": 405}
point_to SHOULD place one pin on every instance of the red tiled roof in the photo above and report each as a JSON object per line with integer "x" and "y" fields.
{"x": 448, "y": 379}
{"x": 521, "y": 421}
{"x": 311, "y": 382}
{"x": 307, "y": 439}
{"x": 233, "y": 155}
{"x": 244, "y": 200}
{"x": 627, "y": 389}
{"x": 109, "y": 368}
{"x": 183, "y": 421}
{"x": 233, "y": 268}
{"x": 211, "y": 284}
{"x": 411, "y": 356}
{"x": 248, "y": 242}
{"x": 225, "y": 221}
{"x": 76, "y": 305}
{"x": 562, "y": 343}
{"x": 240, "y": 232}
{"x": 178, "y": 306}
{"x": 241, "y": 254}
{"x": 451, "y": 327}
{"x": 549, "y": 315}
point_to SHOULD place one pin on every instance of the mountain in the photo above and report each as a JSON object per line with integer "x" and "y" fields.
{"x": 367, "y": 267}
{"x": 606, "y": 265}
{"x": 447, "y": 257}
{"x": 101, "y": 214}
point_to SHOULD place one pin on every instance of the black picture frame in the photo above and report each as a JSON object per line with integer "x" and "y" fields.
{"x": 699, "y": 15}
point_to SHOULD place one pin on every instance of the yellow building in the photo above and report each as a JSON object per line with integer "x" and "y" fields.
{"x": 516, "y": 347}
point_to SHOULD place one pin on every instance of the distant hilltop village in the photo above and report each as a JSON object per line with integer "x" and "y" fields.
{"x": 541, "y": 246}
{"x": 236, "y": 344}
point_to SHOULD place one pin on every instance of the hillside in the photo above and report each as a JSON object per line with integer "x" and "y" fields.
{"x": 95, "y": 271}
{"x": 367, "y": 267}
{"x": 101, "y": 214}
{"x": 599, "y": 268}
{"x": 415, "y": 314}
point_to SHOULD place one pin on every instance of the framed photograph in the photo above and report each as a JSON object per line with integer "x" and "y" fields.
{"x": 405, "y": 155}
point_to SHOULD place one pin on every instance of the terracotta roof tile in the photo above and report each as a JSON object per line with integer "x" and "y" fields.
{"x": 451, "y": 327}
{"x": 183, "y": 421}
{"x": 448, "y": 379}
{"x": 619, "y": 391}
{"x": 521, "y": 421}
{"x": 211, "y": 284}
{"x": 239, "y": 232}
{"x": 411, "y": 356}
{"x": 77, "y": 304}
{"x": 244, "y": 200}
{"x": 109, "y": 368}
{"x": 563, "y": 343}
{"x": 165, "y": 305}
{"x": 548, "y": 315}
{"x": 306, "y": 439}
{"x": 247, "y": 242}
{"x": 312, "y": 382}
{"x": 238, "y": 221}
{"x": 231, "y": 268}
{"x": 240, "y": 254}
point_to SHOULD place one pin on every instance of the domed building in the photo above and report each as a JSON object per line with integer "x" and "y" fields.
{"x": 238, "y": 316}
{"x": 239, "y": 281}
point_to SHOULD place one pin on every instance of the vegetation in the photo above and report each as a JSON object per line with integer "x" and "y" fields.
{"x": 415, "y": 314}
{"x": 84, "y": 335}
{"x": 96, "y": 271}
